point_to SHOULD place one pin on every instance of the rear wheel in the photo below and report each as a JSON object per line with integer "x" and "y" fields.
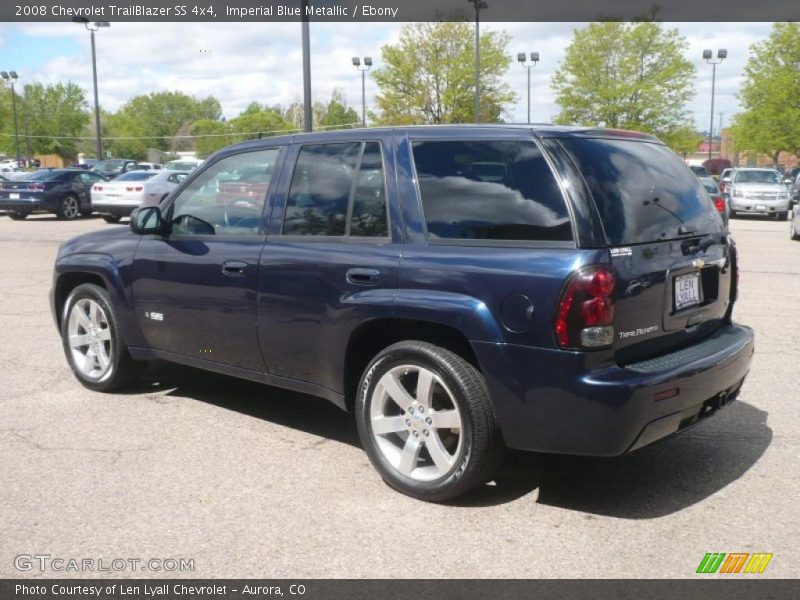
{"x": 17, "y": 216}
{"x": 782, "y": 216}
{"x": 68, "y": 208}
{"x": 92, "y": 342}
{"x": 426, "y": 421}
{"x": 732, "y": 214}
{"x": 111, "y": 218}
{"x": 793, "y": 233}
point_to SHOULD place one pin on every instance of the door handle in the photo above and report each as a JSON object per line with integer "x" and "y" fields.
{"x": 234, "y": 268}
{"x": 363, "y": 276}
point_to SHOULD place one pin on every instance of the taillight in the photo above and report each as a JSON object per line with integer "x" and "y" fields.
{"x": 585, "y": 313}
{"x": 35, "y": 187}
{"x": 138, "y": 188}
{"x": 735, "y": 265}
{"x": 719, "y": 203}
{"x": 722, "y": 186}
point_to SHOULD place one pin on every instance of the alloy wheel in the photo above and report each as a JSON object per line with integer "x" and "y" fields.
{"x": 90, "y": 338}
{"x": 416, "y": 423}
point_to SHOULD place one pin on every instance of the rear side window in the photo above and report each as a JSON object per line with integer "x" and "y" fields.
{"x": 489, "y": 190}
{"x": 643, "y": 191}
{"x": 338, "y": 190}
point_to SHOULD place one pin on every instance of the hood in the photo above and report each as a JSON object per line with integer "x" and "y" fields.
{"x": 760, "y": 187}
{"x": 112, "y": 241}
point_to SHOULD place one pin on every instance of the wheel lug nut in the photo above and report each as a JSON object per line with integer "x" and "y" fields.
{"x": 411, "y": 410}
{"x": 408, "y": 422}
{"x": 429, "y": 420}
{"x": 425, "y": 432}
{"x": 416, "y": 434}
{"x": 422, "y": 409}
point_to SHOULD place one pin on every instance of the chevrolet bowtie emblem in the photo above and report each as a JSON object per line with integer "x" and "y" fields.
{"x": 698, "y": 263}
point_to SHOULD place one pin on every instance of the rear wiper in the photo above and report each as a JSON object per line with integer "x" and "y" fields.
{"x": 684, "y": 230}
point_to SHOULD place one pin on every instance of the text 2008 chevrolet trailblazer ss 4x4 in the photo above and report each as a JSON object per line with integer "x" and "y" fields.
{"x": 460, "y": 288}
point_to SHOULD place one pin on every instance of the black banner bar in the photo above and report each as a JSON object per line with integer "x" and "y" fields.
{"x": 399, "y": 10}
{"x": 738, "y": 587}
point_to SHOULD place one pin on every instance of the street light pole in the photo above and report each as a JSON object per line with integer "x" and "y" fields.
{"x": 534, "y": 59}
{"x": 91, "y": 27}
{"x": 707, "y": 55}
{"x": 479, "y": 5}
{"x": 11, "y": 77}
{"x": 367, "y": 65}
{"x": 308, "y": 125}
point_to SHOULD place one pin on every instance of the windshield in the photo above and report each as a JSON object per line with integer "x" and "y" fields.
{"x": 110, "y": 166}
{"x": 181, "y": 166}
{"x": 643, "y": 191}
{"x": 765, "y": 176}
{"x": 711, "y": 187}
{"x": 135, "y": 176}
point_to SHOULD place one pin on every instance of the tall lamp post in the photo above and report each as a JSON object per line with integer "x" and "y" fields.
{"x": 479, "y": 5}
{"x": 92, "y": 27}
{"x": 364, "y": 69}
{"x": 708, "y": 56}
{"x": 522, "y": 60}
{"x": 11, "y": 77}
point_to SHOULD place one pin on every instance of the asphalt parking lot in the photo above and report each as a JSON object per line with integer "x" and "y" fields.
{"x": 251, "y": 481}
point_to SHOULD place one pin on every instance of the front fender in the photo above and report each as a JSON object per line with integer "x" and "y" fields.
{"x": 112, "y": 272}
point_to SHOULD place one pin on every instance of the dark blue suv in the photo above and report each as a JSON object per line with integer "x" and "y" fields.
{"x": 461, "y": 289}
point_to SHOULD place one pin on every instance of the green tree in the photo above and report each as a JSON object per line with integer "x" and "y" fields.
{"x": 50, "y": 118}
{"x": 770, "y": 95}
{"x": 684, "y": 139}
{"x": 154, "y": 119}
{"x": 338, "y": 114}
{"x": 625, "y": 75}
{"x": 429, "y": 75}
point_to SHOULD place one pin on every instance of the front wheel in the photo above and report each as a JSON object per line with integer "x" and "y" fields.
{"x": 426, "y": 421}
{"x": 111, "y": 218}
{"x": 68, "y": 208}
{"x": 92, "y": 342}
{"x": 782, "y": 216}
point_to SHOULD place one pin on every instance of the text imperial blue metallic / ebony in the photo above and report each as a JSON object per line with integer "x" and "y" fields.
{"x": 460, "y": 288}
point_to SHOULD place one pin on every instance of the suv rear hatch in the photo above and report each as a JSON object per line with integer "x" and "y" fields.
{"x": 673, "y": 263}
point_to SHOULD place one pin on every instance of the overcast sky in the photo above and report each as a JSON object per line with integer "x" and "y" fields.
{"x": 238, "y": 63}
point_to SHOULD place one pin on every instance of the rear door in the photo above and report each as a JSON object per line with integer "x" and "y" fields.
{"x": 667, "y": 244}
{"x": 331, "y": 259}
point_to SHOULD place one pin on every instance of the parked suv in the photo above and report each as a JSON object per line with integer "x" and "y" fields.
{"x": 461, "y": 289}
{"x": 759, "y": 192}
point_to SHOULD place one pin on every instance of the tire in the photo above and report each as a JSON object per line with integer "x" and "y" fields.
{"x": 109, "y": 366}
{"x": 732, "y": 215}
{"x": 782, "y": 216}
{"x": 470, "y": 447}
{"x": 17, "y": 216}
{"x": 68, "y": 208}
{"x": 111, "y": 218}
{"x": 793, "y": 234}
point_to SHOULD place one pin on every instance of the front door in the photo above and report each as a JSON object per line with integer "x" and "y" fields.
{"x": 195, "y": 289}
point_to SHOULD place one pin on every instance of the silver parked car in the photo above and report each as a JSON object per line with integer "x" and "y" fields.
{"x": 758, "y": 191}
{"x": 794, "y": 227}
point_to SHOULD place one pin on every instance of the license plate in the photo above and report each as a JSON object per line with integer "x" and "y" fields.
{"x": 760, "y": 207}
{"x": 687, "y": 290}
{"x": 13, "y": 196}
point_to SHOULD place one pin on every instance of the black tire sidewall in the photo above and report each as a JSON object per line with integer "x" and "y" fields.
{"x": 448, "y": 485}
{"x": 60, "y": 212}
{"x": 99, "y": 295}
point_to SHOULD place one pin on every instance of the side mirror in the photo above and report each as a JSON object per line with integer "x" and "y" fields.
{"x": 147, "y": 220}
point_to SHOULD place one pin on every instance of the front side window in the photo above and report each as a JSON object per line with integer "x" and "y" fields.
{"x": 489, "y": 190}
{"x": 228, "y": 197}
{"x": 332, "y": 182}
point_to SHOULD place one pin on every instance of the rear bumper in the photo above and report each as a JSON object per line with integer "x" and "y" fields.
{"x": 26, "y": 205}
{"x": 117, "y": 209}
{"x": 554, "y": 401}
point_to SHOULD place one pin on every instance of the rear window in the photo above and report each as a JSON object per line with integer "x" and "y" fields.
{"x": 47, "y": 175}
{"x": 489, "y": 190}
{"x": 643, "y": 191}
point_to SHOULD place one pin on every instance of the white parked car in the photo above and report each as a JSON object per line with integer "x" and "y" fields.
{"x": 758, "y": 191}
{"x": 148, "y": 166}
{"x": 117, "y": 198}
{"x": 183, "y": 164}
